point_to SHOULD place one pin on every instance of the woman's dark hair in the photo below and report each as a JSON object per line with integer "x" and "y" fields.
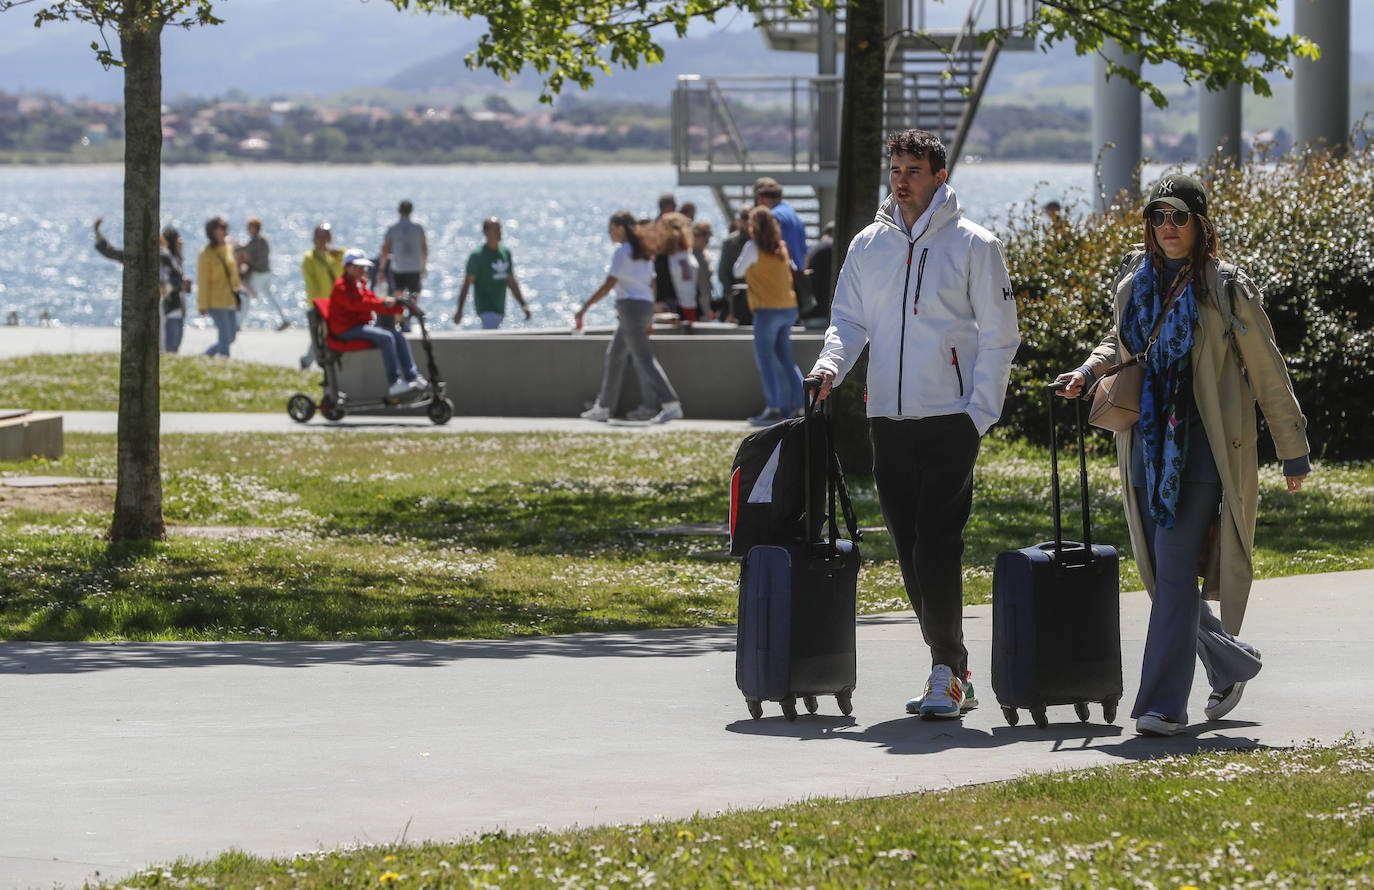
{"x": 213, "y": 223}
{"x": 640, "y": 237}
{"x": 1204, "y": 248}
{"x": 765, "y": 232}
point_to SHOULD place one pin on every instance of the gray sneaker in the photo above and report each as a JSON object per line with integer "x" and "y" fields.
{"x": 596, "y": 412}
{"x": 1223, "y": 701}
{"x": 670, "y": 411}
{"x": 1158, "y": 725}
{"x": 642, "y": 413}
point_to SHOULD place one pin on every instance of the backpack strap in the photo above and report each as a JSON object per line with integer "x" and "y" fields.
{"x": 1126, "y": 262}
{"x": 1227, "y": 273}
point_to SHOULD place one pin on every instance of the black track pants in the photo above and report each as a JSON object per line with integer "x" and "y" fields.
{"x": 924, "y": 473}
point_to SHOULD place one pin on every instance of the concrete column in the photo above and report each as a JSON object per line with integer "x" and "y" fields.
{"x": 828, "y": 95}
{"x": 1321, "y": 88}
{"x": 1218, "y": 125}
{"x": 1116, "y": 119}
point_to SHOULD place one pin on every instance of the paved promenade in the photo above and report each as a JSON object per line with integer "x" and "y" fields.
{"x": 116, "y": 756}
{"x": 281, "y": 348}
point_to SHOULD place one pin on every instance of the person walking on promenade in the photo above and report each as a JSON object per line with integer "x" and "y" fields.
{"x": 321, "y": 266}
{"x": 491, "y": 269}
{"x": 928, "y": 291}
{"x": 1189, "y": 467}
{"x": 351, "y": 308}
{"x": 766, "y": 268}
{"x": 173, "y": 285}
{"x": 217, "y": 285}
{"x": 256, "y": 256}
{"x": 729, "y": 252}
{"x": 631, "y": 276}
{"x": 701, "y": 238}
{"x": 405, "y": 254}
{"x": 767, "y": 193}
{"x": 675, "y": 240}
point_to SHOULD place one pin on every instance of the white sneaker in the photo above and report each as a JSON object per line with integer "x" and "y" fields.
{"x": 946, "y": 696}
{"x": 669, "y": 411}
{"x": 419, "y": 383}
{"x": 1158, "y": 724}
{"x": 596, "y": 412}
{"x": 399, "y": 388}
{"x": 1223, "y": 701}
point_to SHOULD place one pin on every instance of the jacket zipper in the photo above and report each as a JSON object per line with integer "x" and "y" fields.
{"x": 901, "y": 350}
{"x": 920, "y": 276}
{"x": 957, "y": 372}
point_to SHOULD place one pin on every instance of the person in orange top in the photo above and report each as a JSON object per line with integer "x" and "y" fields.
{"x": 351, "y": 306}
{"x": 766, "y": 267}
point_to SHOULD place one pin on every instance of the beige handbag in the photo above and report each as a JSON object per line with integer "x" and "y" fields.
{"x": 1116, "y": 394}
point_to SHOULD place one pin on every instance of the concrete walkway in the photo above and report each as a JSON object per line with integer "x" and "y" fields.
{"x": 116, "y": 756}
{"x": 281, "y": 348}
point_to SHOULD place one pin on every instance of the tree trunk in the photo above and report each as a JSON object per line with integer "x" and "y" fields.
{"x": 860, "y": 178}
{"x": 138, "y": 496}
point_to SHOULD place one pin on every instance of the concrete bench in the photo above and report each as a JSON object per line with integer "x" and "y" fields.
{"x": 26, "y": 434}
{"x": 556, "y": 374}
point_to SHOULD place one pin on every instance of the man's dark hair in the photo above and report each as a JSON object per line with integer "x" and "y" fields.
{"x": 405, "y": 208}
{"x": 919, "y": 144}
{"x": 666, "y": 201}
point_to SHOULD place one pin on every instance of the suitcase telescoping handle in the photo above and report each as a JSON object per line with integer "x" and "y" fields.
{"x": 1053, "y": 389}
{"x": 834, "y": 482}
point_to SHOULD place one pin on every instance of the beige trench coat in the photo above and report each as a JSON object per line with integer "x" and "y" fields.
{"x": 1226, "y": 401}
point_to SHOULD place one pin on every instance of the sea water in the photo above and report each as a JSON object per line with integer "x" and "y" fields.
{"x": 554, "y": 220}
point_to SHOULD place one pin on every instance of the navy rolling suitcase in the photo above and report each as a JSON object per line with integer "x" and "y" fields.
{"x": 1056, "y": 632}
{"x": 797, "y": 602}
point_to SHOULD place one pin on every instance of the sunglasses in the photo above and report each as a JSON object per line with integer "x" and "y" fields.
{"x": 1179, "y": 218}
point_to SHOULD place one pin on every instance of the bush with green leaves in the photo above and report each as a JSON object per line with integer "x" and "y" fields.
{"x": 1302, "y": 226}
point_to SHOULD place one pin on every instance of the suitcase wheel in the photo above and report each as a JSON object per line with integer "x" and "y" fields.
{"x": 1109, "y": 711}
{"x": 755, "y": 707}
{"x": 789, "y": 708}
{"x": 1011, "y": 716}
{"x": 845, "y": 698}
{"x": 1041, "y": 719}
{"x": 1081, "y": 709}
{"x": 811, "y": 704}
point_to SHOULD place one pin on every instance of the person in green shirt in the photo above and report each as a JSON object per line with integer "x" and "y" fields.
{"x": 491, "y": 270}
{"x": 320, "y": 267}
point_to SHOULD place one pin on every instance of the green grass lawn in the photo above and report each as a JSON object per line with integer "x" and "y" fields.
{"x": 90, "y": 382}
{"x": 1257, "y": 819}
{"x": 341, "y": 535}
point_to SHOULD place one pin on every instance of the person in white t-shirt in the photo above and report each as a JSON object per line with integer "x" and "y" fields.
{"x": 631, "y": 276}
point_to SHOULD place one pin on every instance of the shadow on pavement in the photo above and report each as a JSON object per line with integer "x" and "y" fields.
{"x": 911, "y": 735}
{"x": 72, "y": 658}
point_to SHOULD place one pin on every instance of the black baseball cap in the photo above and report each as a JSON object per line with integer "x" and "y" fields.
{"x": 1179, "y": 192}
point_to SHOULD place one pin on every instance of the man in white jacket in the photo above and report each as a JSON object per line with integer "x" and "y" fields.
{"x": 928, "y": 291}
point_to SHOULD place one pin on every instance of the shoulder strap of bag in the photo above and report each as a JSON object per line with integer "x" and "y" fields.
{"x": 228, "y": 276}
{"x": 1226, "y": 291}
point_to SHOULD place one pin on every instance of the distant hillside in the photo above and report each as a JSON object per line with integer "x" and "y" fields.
{"x": 720, "y": 55}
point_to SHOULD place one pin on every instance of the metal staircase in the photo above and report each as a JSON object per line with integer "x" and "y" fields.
{"x": 934, "y": 80}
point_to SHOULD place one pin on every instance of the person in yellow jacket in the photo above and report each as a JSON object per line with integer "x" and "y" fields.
{"x": 766, "y": 268}
{"x": 321, "y": 266}
{"x": 217, "y": 285}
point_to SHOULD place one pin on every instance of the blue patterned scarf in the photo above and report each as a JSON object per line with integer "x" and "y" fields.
{"x": 1166, "y": 394}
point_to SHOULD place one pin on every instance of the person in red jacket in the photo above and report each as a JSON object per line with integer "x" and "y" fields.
{"x": 351, "y": 306}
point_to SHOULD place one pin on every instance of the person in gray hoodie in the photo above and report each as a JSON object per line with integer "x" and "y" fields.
{"x": 928, "y": 292}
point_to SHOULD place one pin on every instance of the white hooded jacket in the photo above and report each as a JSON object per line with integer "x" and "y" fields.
{"x": 936, "y": 308}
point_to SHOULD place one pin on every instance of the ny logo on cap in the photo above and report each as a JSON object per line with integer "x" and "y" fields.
{"x": 1166, "y": 187}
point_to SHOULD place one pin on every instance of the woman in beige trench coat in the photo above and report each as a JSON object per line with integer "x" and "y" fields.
{"x": 1189, "y": 467}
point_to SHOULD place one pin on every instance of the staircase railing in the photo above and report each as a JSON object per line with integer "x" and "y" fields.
{"x": 707, "y": 135}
